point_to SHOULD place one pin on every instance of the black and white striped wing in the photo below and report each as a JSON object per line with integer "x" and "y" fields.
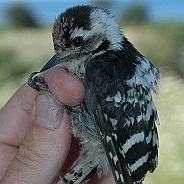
{"x": 118, "y": 96}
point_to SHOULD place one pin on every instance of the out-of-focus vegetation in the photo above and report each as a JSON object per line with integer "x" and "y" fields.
{"x": 21, "y": 16}
{"x": 25, "y": 50}
{"x": 102, "y": 3}
{"x": 162, "y": 43}
{"x": 174, "y": 34}
{"x": 135, "y": 14}
{"x": 21, "y": 52}
{"x": 10, "y": 67}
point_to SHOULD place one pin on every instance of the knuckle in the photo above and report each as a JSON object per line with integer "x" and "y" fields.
{"x": 31, "y": 157}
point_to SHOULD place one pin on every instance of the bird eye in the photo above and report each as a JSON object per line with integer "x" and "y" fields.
{"x": 77, "y": 41}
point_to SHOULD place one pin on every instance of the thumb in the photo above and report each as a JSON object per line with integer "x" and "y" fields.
{"x": 46, "y": 144}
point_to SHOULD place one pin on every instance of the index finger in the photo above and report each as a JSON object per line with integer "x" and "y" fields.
{"x": 15, "y": 115}
{"x": 14, "y": 118}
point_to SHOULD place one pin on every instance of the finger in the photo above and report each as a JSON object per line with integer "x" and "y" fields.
{"x": 67, "y": 87}
{"x": 45, "y": 147}
{"x": 14, "y": 118}
{"x": 15, "y": 115}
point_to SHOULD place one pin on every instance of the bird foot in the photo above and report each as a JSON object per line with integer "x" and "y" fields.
{"x": 37, "y": 82}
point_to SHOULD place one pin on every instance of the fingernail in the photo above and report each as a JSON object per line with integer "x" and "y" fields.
{"x": 47, "y": 111}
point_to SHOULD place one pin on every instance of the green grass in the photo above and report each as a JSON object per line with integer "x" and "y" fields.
{"x": 34, "y": 47}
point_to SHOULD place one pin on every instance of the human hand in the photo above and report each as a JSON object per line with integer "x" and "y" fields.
{"x": 33, "y": 149}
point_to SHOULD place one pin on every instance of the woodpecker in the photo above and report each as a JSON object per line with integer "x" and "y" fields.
{"x": 116, "y": 123}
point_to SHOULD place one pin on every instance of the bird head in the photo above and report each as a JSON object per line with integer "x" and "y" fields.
{"x": 82, "y": 32}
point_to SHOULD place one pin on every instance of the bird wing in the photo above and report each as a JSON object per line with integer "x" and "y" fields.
{"x": 118, "y": 96}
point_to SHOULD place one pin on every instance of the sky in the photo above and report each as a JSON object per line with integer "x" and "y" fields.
{"x": 47, "y": 10}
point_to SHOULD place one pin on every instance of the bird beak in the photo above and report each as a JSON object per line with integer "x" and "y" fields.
{"x": 53, "y": 61}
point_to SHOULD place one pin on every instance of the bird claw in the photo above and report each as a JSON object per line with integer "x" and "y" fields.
{"x": 37, "y": 82}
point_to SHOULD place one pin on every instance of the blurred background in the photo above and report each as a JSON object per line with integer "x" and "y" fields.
{"x": 155, "y": 27}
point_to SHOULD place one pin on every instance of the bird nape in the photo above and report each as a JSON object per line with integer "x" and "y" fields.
{"x": 116, "y": 123}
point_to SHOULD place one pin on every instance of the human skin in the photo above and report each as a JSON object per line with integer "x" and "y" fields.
{"x": 35, "y": 140}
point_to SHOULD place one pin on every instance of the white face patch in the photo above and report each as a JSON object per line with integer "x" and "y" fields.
{"x": 103, "y": 27}
{"x": 105, "y": 23}
{"x": 80, "y": 32}
{"x": 92, "y": 40}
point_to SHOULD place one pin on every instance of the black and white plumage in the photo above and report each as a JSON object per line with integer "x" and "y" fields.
{"x": 117, "y": 121}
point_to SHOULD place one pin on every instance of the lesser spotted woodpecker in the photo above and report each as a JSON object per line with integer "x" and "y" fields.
{"x": 117, "y": 121}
